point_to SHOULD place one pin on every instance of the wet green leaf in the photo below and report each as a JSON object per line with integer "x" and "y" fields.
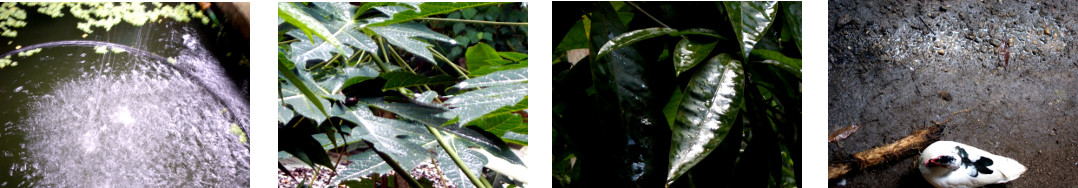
{"x": 401, "y": 140}
{"x": 334, "y": 28}
{"x": 283, "y": 113}
{"x": 504, "y": 77}
{"x": 302, "y": 99}
{"x": 477, "y": 56}
{"x": 749, "y": 20}
{"x": 706, "y": 113}
{"x": 689, "y": 52}
{"x": 404, "y": 37}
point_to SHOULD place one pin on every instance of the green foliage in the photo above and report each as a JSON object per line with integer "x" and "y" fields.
{"x": 500, "y": 37}
{"x": 359, "y": 98}
{"x": 104, "y": 15}
{"x": 690, "y": 73}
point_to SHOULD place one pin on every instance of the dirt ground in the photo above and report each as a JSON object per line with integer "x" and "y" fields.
{"x": 889, "y": 62}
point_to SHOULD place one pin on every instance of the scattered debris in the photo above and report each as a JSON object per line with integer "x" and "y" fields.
{"x": 842, "y": 133}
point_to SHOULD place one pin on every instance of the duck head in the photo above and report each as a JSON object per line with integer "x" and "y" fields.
{"x": 945, "y": 161}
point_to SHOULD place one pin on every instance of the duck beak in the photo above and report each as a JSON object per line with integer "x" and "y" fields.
{"x": 934, "y": 162}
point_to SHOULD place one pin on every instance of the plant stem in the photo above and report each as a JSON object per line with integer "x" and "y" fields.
{"x": 396, "y": 167}
{"x": 456, "y": 158}
{"x": 439, "y": 55}
{"x": 288, "y": 41}
{"x": 475, "y": 21}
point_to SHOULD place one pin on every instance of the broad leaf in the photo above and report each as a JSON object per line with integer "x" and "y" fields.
{"x": 632, "y": 37}
{"x": 493, "y": 79}
{"x": 399, "y": 79}
{"x": 513, "y": 56}
{"x": 500, "y": 124}
{"x": 792, "y": 12}
{"x": 296, "y": 93}
{"x": 670, "y": 110}
{"x": 283, "y": 113}
{"x": 399, "y": 139}
{"x": 425, "y": 114}
{"x": 293, "y": 15}
{"x": 706, "y": 113}
{"x": 341, "y": 30}
{"x": 471, "y": 158}
{"x": 404, "y": 36}
{"x": 689, "y": 52}
{"x": 749, "y": 20}
{"x": 478, "y": 55}
{"x": 498, "y": 89}
{"x": 575, "y": 39}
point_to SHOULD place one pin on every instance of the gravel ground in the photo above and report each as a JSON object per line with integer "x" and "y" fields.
{"x": 895, "y": 66}
{"x": 425, "y": 170}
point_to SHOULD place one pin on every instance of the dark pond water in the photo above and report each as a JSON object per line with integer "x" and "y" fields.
{"x": 71, "y": 117}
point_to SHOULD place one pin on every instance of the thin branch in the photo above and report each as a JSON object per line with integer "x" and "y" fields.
{"x": 288, "y": 41}
{"x": 454, "y": 65}
{"x": 475, "y": 21}
{"x": 646, "y": 14}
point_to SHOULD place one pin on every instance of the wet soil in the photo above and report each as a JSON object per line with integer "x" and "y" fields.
{"x": 895, "y": 66}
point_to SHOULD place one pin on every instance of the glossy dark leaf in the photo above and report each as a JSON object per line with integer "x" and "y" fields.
{"x": 689, "y": 52}
{"x": 776, "y": 59}
{"x": 792, "y": 14}
{"x": 630, "y": 94}
{"x": 632, "y": 37}
{"x": 749, "y": 20}
{"x": 706, "y": 113}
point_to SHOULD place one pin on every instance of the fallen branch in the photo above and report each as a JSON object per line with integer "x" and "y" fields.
{"x": 905, "y": 147}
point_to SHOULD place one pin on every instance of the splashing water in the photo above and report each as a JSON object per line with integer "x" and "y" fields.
{"x": 126, "y": 121}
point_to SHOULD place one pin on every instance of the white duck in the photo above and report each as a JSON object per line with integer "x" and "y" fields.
{"x": 952, "y": 164}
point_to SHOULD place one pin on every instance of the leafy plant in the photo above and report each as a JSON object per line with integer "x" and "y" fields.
{"x": 345, "y": 89}
{"x": 663, "y": 94}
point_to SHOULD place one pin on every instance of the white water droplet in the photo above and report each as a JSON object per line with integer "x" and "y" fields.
{"x": 123, "y": 115}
